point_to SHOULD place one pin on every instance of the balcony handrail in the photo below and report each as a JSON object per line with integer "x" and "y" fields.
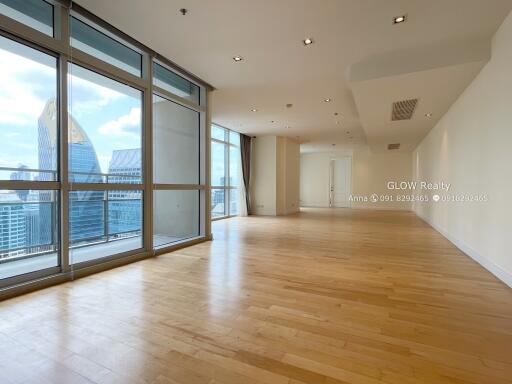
{"x": 23, "y": 202}
{"x": 102, "y": 174}
{"x": 28, "y": 170}
{"x": 104, "y": 199}
{"x": 71, "y": 172}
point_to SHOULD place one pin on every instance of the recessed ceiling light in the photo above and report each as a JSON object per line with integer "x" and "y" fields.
{"x": 238, "y": 58}
{"x": 428, "y": 114}
{"x": 308, "y": 41}
{"x": 399, "y": 19}
{"x": 327, "y": 100}
{"x": 272, "y": 121}
{"x": 254, "y": 110}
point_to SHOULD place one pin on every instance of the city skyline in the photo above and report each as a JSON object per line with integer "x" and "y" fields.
{"x": 94, "y": 215}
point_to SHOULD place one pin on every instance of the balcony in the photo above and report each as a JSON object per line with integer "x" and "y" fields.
{"x": 100, "y": 226}
{"x": 102, "y": 223}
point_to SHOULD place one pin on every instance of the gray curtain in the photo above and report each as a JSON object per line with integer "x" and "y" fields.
{"x": 245, "y": 149}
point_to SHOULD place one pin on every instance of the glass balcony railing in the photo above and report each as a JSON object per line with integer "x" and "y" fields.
{"x": 29, "y": 228}
{"x": 103, "y": 216}
{"x": 27, "y": 224}
{"x": 29, "y": 239}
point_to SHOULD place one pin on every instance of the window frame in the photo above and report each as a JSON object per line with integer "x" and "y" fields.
{"x": 59, "y": 46}
{"x": 39, "y": 185}
{"x": 108, "y": 35}
{"x": 201, "y": 186}
{"x": 227, "y": 187}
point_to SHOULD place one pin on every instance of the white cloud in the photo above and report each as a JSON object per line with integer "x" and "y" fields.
{"x": 100, "y": 95}
{"x": 89, "y": 95}
{"x": 126, "y": 125}
{"x": 25, "y": 81}
{"x": 19, "y": 105}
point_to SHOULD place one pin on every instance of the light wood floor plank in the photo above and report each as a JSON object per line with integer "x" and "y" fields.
{"x": 321, "y": 297}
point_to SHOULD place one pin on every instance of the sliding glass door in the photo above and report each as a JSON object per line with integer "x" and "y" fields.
{"x": 29, "y": 198}
{"x": 104, "y": 152}
{"x": 103, "y": 145}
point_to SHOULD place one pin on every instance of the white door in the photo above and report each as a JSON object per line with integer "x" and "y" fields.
{"x": 341, "y": 172}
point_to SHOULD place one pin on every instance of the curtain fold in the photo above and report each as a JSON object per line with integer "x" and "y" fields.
{"x": 245, "y": 155}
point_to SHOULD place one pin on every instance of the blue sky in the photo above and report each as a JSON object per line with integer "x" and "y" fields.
{"x": 108, "y": 111}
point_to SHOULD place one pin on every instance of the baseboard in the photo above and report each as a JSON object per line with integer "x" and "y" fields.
{"x": 495, "y": 269}
{"x": 313, "y": 205}
{"x": 263, "y": 213}
{"x": 380, "y": 208}
{"x": 370, "y": 207}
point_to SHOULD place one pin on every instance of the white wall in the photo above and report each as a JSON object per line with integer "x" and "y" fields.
{"x": 314, "y": 177}
{"x": 275, "y": 176}
{"x": 370, "y": 174}
{"x": 280, "y": 176}
{"x": 470, "y": 148}
{"x": 292, "y": 176}
{"x": 263, "y": 176}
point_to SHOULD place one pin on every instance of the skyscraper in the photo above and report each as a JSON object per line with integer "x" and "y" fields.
{"x": 28, "y": 218}
{"x": 86, "y": 208}
{"x": 93, "y": 215}
{"x": 125, "y": 207}
{"x": 12, "y": 225}
{"x": 125, "y": 166}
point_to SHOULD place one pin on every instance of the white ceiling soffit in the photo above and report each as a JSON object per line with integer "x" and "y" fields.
{"x": 435, "y": 75}
{"x": 278, "y": 68}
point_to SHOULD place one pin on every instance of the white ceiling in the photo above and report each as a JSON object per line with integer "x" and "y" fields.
{"x": 359, "y": 60}
{"x": 435, "y": 75}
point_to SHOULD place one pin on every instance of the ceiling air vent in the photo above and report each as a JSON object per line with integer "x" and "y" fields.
{"x": 393, "y": 146}
{"x": 404, "y": 109}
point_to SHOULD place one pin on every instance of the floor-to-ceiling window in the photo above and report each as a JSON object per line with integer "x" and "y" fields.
{"x": 104, "y": 148}
{"x": 102, "y": 145}
{"x": 29, "y": 198}
{"x": 225, "y": 172}
{"x": 177, "y": 172}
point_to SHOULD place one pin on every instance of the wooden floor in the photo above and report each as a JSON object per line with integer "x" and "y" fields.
{"x": 326, "y": 296}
